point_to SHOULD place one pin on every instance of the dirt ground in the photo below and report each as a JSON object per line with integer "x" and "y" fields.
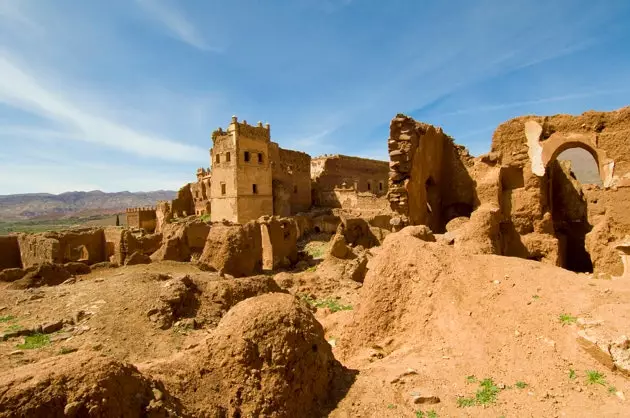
{"x": 430, "y": 333}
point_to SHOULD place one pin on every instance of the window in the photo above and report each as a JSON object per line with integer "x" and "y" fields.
{"x": 227, "y": 157}
{"x": 294, "y": 189}
{"x": 223, "y": 188}
{"x": 246, "y": 156}
{"x": 260, "y": 159}
{"x": 369, "y": 186}
{"x": 380, "y": 186}
{"x": 255, "y": 188}
{"x": 217, "y": 158}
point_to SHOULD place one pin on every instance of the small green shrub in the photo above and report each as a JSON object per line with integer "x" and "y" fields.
{"x": 471, "y": 379}
{"x": 34, "y": 341}
{"x": 572, "y": 374}
{"x": 593, "y": 377}
{"x": 567, "y": 319}
{"x": 612, "y": 389}
{"x": 521, "y": 385}
{"x": 7, "y": 318}
{"x": 485, "y": 395}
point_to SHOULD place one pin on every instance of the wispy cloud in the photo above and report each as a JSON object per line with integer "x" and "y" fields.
{"x": 508, "y": 105}
{"x": 21, "y": 90}
{"x": 177, "y": 24}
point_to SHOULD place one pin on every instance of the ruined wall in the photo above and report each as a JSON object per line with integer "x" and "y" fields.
{"x": 201, "y": 192}
{"x": 291, "y": 177}
{"x": 342, "y": 172}
{"x": 85, "y": 245}
{"x": 144, "y": 218}
{"x": 429, "y": 179}
{"x": 10, "y": 252}
{"x": 544, "y": 206}
{"x": 279, "y": 242}
{"x": 349, "y": 198}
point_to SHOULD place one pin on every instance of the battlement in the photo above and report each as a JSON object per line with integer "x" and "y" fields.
{"x": 203, "y": 173}
{"x": 260, "y": 131}
{"x": 140, "y": 210}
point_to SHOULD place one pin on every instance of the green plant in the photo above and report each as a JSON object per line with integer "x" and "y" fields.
{"x": 535, "y": 297}
{"x": 485, "y": 395}
{"x": 7, "y": 318}
{"x": 471, "y": 379}
{"x": 34, "y": 341}
{"x": 432, "y": 414}
{"x": 391, "y": 406}
{"x": 521, "y": 385}
{"x": 205, "y": 217}
{"x": 572, "y": 374}
{"x": 311, "y": 269}
{"x": 333, "y": 304}
{"x": 429, "y": 414}
{"x": 14, "y": 327}
{"x": 567, "y": 319}
{"x": 593, "y": 377}
{"x": 612, "y": 389}
{"x": 420, "y": 414}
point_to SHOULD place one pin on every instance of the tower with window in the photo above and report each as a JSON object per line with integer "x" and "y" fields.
{"x": 241, "y": 188}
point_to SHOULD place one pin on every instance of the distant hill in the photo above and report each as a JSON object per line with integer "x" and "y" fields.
{"x": 75, "y": 204}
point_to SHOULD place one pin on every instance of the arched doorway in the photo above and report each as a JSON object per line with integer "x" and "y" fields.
{"x": 568, "y": 171}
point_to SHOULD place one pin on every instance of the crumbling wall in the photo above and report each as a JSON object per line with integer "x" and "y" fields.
{"x": 201, "y": 192}
{"x": 233, "y": 249}
{"x": 85, "y": 245}
{"x": 332, "y": 175}
{"x": 279, "y": 242}
{"x": 542, "y": 203}
{"x": 429, "y": 180}
{"x": 183, "y": 205}
{"x": 10, "y": 252}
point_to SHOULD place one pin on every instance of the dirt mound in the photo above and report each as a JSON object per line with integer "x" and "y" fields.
{"x": 82, "y": 385}
{"x": 268, "y": 357}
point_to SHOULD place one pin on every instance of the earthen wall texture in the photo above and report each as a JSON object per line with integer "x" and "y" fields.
{"x": 279, "y": 242}
{"x": 223, "y": 189}
{"x": 429, "y": 179}
{"x": 85, "y": 245}
{"x": 330, "y": 172}
{"x": 10, "y": 252}
{"x": 291, "y": 175}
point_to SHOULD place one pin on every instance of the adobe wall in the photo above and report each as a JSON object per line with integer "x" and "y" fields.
{"x": 348, "y": 198}
{"x": 429, "y": 179}
{"x": 10, "y": 252}
{"x": 340, "y": 171}
{"x": 223, "y": 186}
{"x": 85, "y": 245}
{"x": 201, "y": 192}
{"x": 291, "y": 177}
{"x": 279, "y": 242}
{"x": 544, "y": 206}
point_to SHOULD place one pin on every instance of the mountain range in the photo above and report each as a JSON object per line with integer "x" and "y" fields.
{"x": 19, "y": 207}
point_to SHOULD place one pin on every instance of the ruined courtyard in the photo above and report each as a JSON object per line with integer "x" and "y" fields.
{"x": 283, "y": 285}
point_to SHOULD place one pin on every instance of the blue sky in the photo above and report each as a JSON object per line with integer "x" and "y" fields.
{"x": 124, "y": 94}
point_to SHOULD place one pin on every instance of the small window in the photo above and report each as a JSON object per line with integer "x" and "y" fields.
{"x": 227, "y": 157}
{"x": 294, "y": 189}
{"x": 223, "y": 188}
{"x": 255, "y": 188}
{"x": 217, "y": 158}
{"x": 369, "y": 186}
{"x": 246, "y": 156}
{"x": 260, "y": 158}
{"x": 380, "y": 185}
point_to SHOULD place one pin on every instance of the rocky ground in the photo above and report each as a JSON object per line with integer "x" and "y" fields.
{"x": 431, "y": 332}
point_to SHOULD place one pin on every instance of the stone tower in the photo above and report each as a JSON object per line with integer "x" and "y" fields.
{"x": 241, "y": 188}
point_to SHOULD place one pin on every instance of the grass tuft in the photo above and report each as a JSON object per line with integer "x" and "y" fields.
{"x": 521, "y": 385}
{"x": 572, "y": 374}
{"x": 34, "y": 341}
{"x": 7, "y": 318}
{"x": 593, "y": 377}
{"x": 567, "y": 319}
{"x": 485, "y": 395}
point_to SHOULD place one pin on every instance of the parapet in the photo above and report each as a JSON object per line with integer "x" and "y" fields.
{"x": 141, "y": 209}
{"x": 260, "y": 131}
